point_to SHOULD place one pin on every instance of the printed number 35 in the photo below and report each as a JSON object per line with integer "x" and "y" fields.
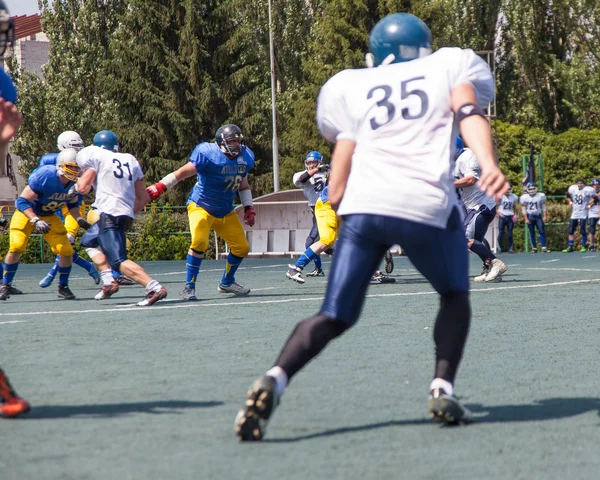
{"x": 404, "y": 93}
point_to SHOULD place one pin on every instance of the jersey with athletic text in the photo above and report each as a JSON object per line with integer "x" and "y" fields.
{"x": 400, "y": 117}
{"x": 219, "y": 177}
{"x": 468, "y": 166}
{"x": 48, "y": 159}
{"x": 116, "y": 174}
{"x": 52, "y": 195}
{"x": 312, "y": 187}
{"x": 533, "y": 205}
{"x": 580, "y": 199}
{"x": 506, "y": 206}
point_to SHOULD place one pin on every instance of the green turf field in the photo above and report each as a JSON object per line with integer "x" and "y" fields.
{"x": 121, "y": 392}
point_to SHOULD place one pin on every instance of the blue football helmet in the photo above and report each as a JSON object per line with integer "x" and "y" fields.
{"x": 7, "y": 28}
{"x": 595, "y": 181}
{"x": 509, "y": 188}
{"x": 225, "y": 138}
{"x": 460, "y": 147}
{"x": 107, "y": 140}
{"x": 399, "y": 37}
{"x": 531, "y": 188}
{"x": 311, "y": 158}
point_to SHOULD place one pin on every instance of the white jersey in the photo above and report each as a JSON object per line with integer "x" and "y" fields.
{"x": 116, "y": 174}
{"x": 312, "y": 187}
{"x": 533, "y": 205}
{"x": 580, "y": 200}
{"x": 506, "y": 206}
{"x": 400, "y": 117}
{"x": 468, "y": 166}
{"x": 593, "y": 212}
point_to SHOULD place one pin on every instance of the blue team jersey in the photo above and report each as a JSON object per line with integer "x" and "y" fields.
{"x": 48, "y": 159}
{"x": 52, "y": 195}
{"x": 218, "y": 177}
{"x": 325, "y": 194}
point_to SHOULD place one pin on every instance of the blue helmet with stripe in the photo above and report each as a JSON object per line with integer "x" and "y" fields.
{"x": 531, "y": 188}
{"x": 107, "y": 140}
{"x": 313, "y": 157}
{"x": 595, "y": 181}
{"x": 399, "y": 37}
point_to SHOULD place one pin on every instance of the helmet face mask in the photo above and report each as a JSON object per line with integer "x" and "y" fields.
{"x": 107, "y": 140}
{"x": 66, "y": 164}
{"x": 230, "y": 140}
{"x": 69, "y": 139}
{"x": 313, "y": 160}
{"x": 531, "y": 188}
{"x": 7, "y": 28}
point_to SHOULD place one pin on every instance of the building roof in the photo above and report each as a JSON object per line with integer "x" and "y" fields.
{"x": 26, "y": 25}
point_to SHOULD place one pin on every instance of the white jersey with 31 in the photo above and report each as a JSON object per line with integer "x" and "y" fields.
{"x": 399, "y": 115}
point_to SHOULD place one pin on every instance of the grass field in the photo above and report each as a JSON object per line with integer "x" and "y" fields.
{"x": 121, "y": 392}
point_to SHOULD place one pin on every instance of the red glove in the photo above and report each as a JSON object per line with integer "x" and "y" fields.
{"x": 249, "y": 214}
{"x": 156, "y": 190}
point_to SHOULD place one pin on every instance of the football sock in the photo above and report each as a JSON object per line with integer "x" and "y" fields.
{"x": 1, "y": 270}
{"x": 571, "y": 243}
{"x": 281, "y": 379}
{"x": 63, "y": 275}
{"x": 441, "y": 383}
{"x": 82, "y": 262}
{"x": 480, "y": 249}
{"x": 450, "y": 334}
{"x": 192, "y": 268}
{"x": 583, "y": 241}
{"x": 10, "y": 270}
{"x": 106, "y": 276}
{"x": 231, "y": 266}
{"x": 152, "y": 286}
{"x": 308, "y": 256}
{"x": 54, "y": 269}
{"x": 318, "y": 262}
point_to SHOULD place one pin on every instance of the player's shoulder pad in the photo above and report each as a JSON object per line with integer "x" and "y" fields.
{"x": 48, "y": 159}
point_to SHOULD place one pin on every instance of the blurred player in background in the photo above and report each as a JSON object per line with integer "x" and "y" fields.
{"x": 508, "y": 216}
{"x": 222, "y": 169}
{"x": 534, "y": 214}
{"x": 579, "y": 196}
{"x": 312, "y": 181}
{"x": 11, "y": 404}
{"x": 67, "y": 139}
{"x": 480, "y": 212}
{"x": 120, "y": 193}
{"x": 394, "y": 128}
{"x": 593, "y": 214}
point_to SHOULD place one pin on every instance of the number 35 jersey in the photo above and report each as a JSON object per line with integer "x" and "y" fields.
{"x": 116, "y": 174}
{"x": 52, "y": 194}
{"x": 218, "y": 177}
{"x": 400, "y": 117}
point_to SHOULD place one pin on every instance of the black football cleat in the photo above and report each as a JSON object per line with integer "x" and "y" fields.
{"x": 447, "y": 409}
{"x": 251, "y": 421}
{"x": 65, "y": 292}
{"x": 389, "y": 262}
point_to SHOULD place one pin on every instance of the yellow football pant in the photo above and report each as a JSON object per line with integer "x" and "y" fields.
{"x": 327, "y": 223}
{"x": 70, "y": 223}
{"x": 229, "y": 228}
{"x": 21, "y": 229}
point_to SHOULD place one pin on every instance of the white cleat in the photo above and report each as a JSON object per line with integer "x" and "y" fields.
{"x": 234, "y": 288}
{"x": 498, "y": 268}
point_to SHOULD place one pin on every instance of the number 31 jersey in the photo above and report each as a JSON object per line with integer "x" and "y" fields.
{"x": 400, "y": 117}
{"x": 116, "y": 174}
{"x": 219, "y": 177}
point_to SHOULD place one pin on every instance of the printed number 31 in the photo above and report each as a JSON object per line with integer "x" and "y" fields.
{"x": 391, "y": 108}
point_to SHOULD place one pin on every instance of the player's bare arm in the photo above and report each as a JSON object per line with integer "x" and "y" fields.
{"x": 85, "y": 182}
{"x": 10, "y": 121}
{"x": 170, "y": 180}
{"x": 341, "y": 164}
{"x": 475, "y": 130}
{"x": 142, "y": 197}
{"x": 467, "y": 181}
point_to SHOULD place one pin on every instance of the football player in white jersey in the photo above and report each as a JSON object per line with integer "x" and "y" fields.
{"x": 480, "y": 212}
{"x": 593, "y": 213}
{"x": 579, "y": 196}
{"x": 120, "y": 193}
{"x": 507, "y": 215}
{"x": 312, "y": 181}
{"x": 394, "y": 128}
{"x": 534, "y": 214}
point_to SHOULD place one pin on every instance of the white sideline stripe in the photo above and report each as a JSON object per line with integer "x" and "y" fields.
{"x": 13, "y": 321}
{"x": 288, "y": 300}
{"x": 565, "y": 269}
{"x": 550, "y": 261}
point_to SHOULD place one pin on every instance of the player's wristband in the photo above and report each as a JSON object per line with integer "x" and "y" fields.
{"x": 34, "y": 220}
{"x": 23, "y": 204}
{"x": 246, "y": 197}
{"x": 468, "y": 110}
{"x": 170, "y": 180}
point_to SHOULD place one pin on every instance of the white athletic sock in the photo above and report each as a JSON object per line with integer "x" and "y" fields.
{"x": 281, "y": 379}
{"x": 106, "y": 276}
{"x": 153, "y": 286}
{"x": 441, "y": 383}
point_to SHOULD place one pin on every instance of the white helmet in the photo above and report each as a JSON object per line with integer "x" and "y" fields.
{"x": 69, "y": 139}
{"x": 66, "y": 164}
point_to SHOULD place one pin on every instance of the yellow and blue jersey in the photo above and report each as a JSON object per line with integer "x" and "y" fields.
{"x": 325, "y": 194}
{"x": 48, "y": 159}
{"x": 52, "y": 194}
{"x": 219, "y": 177}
